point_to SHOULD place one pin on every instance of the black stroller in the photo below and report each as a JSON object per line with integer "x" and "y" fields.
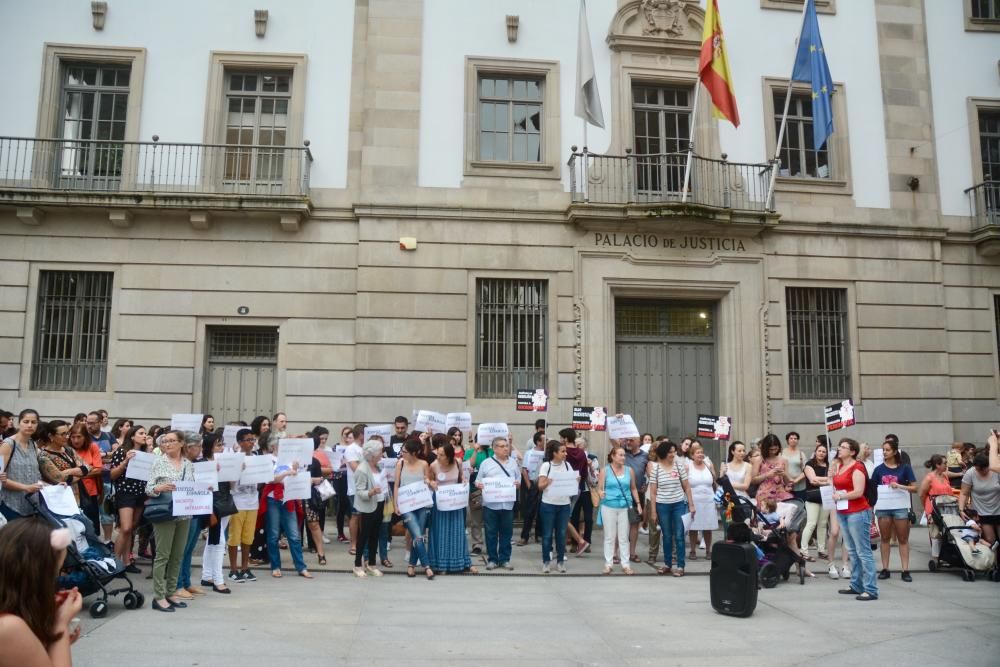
{"x": 944, "y": 524}
{"x": 779, "y": 558}
{"x": 92, "y": 570}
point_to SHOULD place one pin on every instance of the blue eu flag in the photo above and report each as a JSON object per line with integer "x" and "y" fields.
{"x": 811, "y": 67}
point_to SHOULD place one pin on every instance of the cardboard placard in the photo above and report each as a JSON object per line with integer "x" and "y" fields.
{"x": 839, "y": 415}
{"x": 531, "y": 400}
{"x": 590, "y": 418}
{"x": 715, "y": 427}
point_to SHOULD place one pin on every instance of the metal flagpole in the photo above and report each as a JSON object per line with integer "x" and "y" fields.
{"x": 784, "y": 116}
{"x": 586, "y": 185}
{"x": 694, "y": 116}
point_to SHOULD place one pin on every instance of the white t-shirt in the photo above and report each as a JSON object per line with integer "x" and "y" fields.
{"x": 547, "y": 496}
{"x": 353, "y": 454}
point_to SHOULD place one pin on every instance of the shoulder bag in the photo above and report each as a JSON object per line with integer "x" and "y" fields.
{"x": 633, "y": 512}
{"x": 161, "y": 508}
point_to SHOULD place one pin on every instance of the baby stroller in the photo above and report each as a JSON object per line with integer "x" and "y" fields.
{"x": 945, "y": 524}
{"x": 779, "y": 558}
{"x": 90, "y": 565}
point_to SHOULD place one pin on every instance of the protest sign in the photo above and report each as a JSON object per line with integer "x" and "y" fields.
{"x": 207, "y": 472}
{"x": 892, "y": 499}
{"x": 384, "y": 431}
{"x": 499, "y": 490}
{"x": 839, "y": 415}
{"x": 186, "y": 422}
{"x": 229, "y": 437}
{"x": 487, "y": 432}
{"x": 622, "y": 427}
{"x": 230, "y": 466}
{"x": 452, "y": 497}
{"x": 413, "y": 497}
{"x": 460, "y": 420}
{"x": 532, "y": 400}
{"x": 60, "y": 500}
{"x": 298, "y": 486}
{"x": 715, "y": 427}
{"x": 192, "y": 499}
{"x": 532, "y": 459}
{"x": 587, "y": 418}
{"x": 564, "y": 483}
{"x": 826, "y": 494}
{"x": 257, "y": 470}
{"x": 428, "y": 420}
{"x": 291, "y": 450}
{"x": 140, "y": 466}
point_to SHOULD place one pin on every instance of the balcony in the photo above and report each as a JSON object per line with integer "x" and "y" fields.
{"x": 128, "y": 176}
{"x": 984, "y": 205}
{"x": 604, "y": 188}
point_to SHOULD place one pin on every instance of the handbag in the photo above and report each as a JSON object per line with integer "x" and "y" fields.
{"x": 223, "y": 504}
{"x": 161, "y": 508}
{"x": 325, "y": 490}
{"x": 633, "y": 512}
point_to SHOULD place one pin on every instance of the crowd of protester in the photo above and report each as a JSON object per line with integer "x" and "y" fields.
{"x": 647, "y": 485}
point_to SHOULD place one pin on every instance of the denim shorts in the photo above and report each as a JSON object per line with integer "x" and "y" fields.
{"x": 893, "y": 514}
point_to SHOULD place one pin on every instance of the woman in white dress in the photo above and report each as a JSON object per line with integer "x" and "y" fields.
{"x": 737, "y": 469}
{"x": 701, "y": 478}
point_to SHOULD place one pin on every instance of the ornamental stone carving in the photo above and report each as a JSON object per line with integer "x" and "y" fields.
{"x": 663, "y": 18}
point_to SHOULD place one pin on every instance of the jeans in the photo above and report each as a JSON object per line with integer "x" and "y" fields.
{"x": 585, "y": 505}
{"x": 672, "y": 528}
{"x": 170, "y": 539}
{"x": 281, "y": 520}
{"x": 856, "y": 527}
{"x": 194, "y": 529}
{"x": 554, "y": 517}
{"x": 499, "y": 526}
{"x": 616, "y": 527}
{"x": 529, "y": 510}
{"x": 416, "y": 524}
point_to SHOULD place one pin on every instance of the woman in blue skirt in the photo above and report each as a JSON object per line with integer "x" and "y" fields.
{"x": 448, "y": 550}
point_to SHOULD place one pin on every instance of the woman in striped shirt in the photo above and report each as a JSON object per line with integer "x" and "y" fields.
{"x": 669, "y": 486}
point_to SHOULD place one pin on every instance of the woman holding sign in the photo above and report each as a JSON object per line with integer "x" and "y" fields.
{"x": 669, "y": 487}
{"x": 856, "y": 519}
{"x": 171, "y": 534}
{"x": 498, "y": 514}
{"x": 448, "y": 550}
{"x": 896, "y": 482}
{"x": 555, "y": 505}
{"x": 369, "y": 494}
{"x": 414, "y": 471}
{"x": 130, "y": 494}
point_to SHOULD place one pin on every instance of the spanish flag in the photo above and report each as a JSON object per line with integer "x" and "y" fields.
{"x": 714, "y": 67}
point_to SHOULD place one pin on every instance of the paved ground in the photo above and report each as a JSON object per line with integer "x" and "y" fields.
{"x": 577, "y": 619}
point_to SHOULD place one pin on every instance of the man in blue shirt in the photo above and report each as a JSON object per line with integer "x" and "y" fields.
{"x": 105, "y": 441}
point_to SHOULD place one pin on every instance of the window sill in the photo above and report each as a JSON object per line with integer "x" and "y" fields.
{"x": 512, "y": 169}
{"x": 981, "y": 25}
{"x": 825, "y": 186}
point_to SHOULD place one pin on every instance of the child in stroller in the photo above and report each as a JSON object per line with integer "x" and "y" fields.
{"x": 947, "y": 531}
{"x": 90, "y": 565}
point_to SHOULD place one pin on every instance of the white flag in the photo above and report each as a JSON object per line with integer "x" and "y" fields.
{"x": 588, "y": 100}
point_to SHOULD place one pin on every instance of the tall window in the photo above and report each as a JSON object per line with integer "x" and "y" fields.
{"x": 996, "y": 316}
{"x": 987, "y": 10}
{"x": 799, "y": 158}
{"x": 71, "y": 331}
{"x": 661, "y": 117}
{"x": 989, "y": 143}
{"x": 93, "y": 107}
{"x": 256, "y": 120}
{"x": 817, "y": 342}
{"x": 510, "y": 119}
{"x": 511, "y": 325}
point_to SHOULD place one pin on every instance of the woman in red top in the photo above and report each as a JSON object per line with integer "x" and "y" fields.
{"x": 856, "y": 520}
{"x": 90, "y": 485}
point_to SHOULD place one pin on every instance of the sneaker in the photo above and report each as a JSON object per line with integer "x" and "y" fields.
{"x": 248, "y": 575}
{"x": 236, "y": 577}
{"x": 342, "y": 538}
{"x": 491, "y": 565}
{"x": 905, "y": 576}
{"x": 478, "y": 550}
{"x": 833, "y": 572}
{"x": 507, "y": 566}
{"x": 884, "y": 574}
{"x": 561, "y": 566}
{"x": 326, "y": 540}
{"x": 132, "y": 569}
{"x": 643, "y": 531}
{"x": 545, "y": 568}
{"x": 845, "y": 572}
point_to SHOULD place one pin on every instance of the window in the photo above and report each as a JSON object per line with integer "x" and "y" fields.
{"x": 799, "y": 157}
{"x": 996, "y": 324}
{"x": 93, "y": 117}
{"x": 511, "y": 326}
{"x": 986, "y": 10}
{"x": 512, "y": 118}
{"x": 805, "y": 167}
{"x": 817, "y": 342}
{"x": 71, "y": 331}
{"x": 989, "y": 143}
{"x": 256, "y": 118}
{"x": 984, "y": 191}
{"x": 661, "y": 117}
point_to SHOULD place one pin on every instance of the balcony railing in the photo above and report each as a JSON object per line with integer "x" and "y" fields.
{"x": 92, "y": 166}
{"x": 659, "y": 179}
{"x": 984, "y": 203}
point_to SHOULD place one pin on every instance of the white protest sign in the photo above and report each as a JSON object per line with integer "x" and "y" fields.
{"x": 185, "y": 422}
{"x": 892, "y": 499}
{"x": 229, "y": 436}
{"x": 298, "y": 486}
{"x": 564, "y": 483}
{"x": 380, "y": 482}
{"x": 499, "y": 490}
{"x": 230, "y": 466}
{"x": 60, "y": 500}
{"x": 336, "y": 457}
{"x": 533, "y": 459}
{"x": 384, "y": 431}
{"x": 192, "y": 499}
{"x": 686, "y": 520}
{"x": 291, "y": 450}
{"x": 878, "y": 457}
{"x": 460, "y": 420}
{"x": 257, "y": 470}
{"x": 826, "y": 493}
{"x": 207, "y": 472}
{"x": 140, "y": 466}
{"x": 388, "y": 466}
{"x": 487, "y": 432}
{"x": 843, "y": 504}
{"x": 428, "y": 420}
{"x": 452, "y": 497}
{"x": 246, "y": 498}
{"x": 621, "y": 427}
{"x": 413, "y": 497}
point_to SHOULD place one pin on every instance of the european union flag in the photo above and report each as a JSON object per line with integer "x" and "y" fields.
{"x": 811, "y": 67}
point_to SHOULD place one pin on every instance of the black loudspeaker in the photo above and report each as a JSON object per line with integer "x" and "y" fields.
{"x": 733, "y": 579}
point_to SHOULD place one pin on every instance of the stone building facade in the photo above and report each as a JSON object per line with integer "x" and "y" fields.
{"x": 420, "y": 253}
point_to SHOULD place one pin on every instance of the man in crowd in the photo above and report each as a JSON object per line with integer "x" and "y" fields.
{"x": 244, "y": 522}
{"x": 530, "y": 497}
{"x": 636, "y": 459}
{"x": 576, "y": 457}
{"x": 105, "y": 441}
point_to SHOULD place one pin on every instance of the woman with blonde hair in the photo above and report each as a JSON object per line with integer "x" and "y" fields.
{"x": 618, "y": 492}
{"x": 701, "y": 480}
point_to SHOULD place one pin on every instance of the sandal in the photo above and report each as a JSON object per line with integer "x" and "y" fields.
{"x": 429, "y": 573}
{"x": 635, "y": 558}
{"x": 353, "y": 551}
{"x": 666, "y": 569}
{"x": 276, "y": 574}
{"x": 823, "y": 556}
{"x": 305, "y": 574}
{"x": 359, "y": 573}
{"x": 628, "y": 571}
{"x": 606, "y": 570}
{"x": 411, "y": 571}
{"x": 679, "y": 572}
{"x": 808, "y": 558}
{"x": 322, "y": 560}
{"x": 386, "y": 563}
{"x": 374, "y": 571}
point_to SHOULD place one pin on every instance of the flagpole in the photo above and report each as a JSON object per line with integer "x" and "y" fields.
{"x": 586, "y": 185}
{"x": 784, "y": 116}
{"x": 694, "y": 116}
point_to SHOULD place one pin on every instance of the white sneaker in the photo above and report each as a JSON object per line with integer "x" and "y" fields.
{"x": 701, "y": 544}
{"x": 545, "y": 568}
{"x": 561, "y": 566}
{"x": 845, "y": 572}
{"x": 643, "y": 531}
{"x": 491, "y": 565}
{"x": 833, "y": 572}
{"x": 326, "y": 540}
